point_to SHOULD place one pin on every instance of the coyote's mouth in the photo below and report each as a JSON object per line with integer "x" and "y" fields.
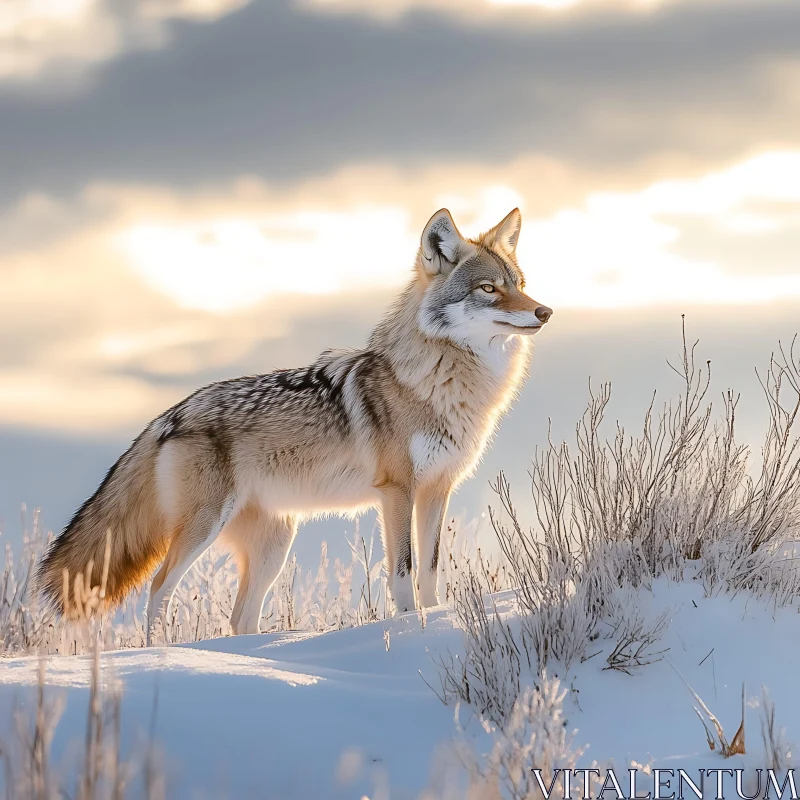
{"x": 526, "y": 330}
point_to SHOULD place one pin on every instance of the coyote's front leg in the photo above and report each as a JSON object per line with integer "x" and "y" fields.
{"x": 395, "y": 520}
{"x": 430, "y": 509}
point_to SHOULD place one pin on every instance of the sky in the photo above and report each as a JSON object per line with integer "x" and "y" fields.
{"x": 197, "y": 189}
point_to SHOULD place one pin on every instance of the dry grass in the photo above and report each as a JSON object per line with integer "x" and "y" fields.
{"x": 535, "y": 733}
{"x": 636, "y": 642}
{"x": 103, "y": 773}
{"x": 329, "y": 597}
{"x": 776, "y": 747}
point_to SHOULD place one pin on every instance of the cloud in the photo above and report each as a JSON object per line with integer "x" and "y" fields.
{"x": 624, "y": 249}
{"x": 189, "y": 9}
{"x": 141, "y": 293}
{"x": 45, "y": 38}
{"x": 284, "y": 94}
{"x": 63, "y": 403}
{"x": 612, "y": 249}
{"x": 265, "y": 254}
{"x": 33, "y": 33}
{"x": 477, "y": 10}
{"x": 36, "y": 36}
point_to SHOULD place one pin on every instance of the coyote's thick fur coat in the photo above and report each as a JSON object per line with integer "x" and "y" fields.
{"x": 396, "y": 425}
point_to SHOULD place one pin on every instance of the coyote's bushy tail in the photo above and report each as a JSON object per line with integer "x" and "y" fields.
{"x": 125, "y": 512}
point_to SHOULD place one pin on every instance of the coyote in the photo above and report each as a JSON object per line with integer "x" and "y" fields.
{"x": 396, "y": 425}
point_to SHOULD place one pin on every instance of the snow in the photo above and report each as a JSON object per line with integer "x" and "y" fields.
{"x": 648, "y": 717}
{"x": 290, "y": 715}
{"x": 272, "y": 715}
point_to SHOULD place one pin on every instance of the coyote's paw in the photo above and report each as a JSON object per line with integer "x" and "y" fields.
{"x": 403, "y": 594}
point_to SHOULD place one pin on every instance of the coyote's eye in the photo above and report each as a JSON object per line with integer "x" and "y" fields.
{"x": 488, "y": 288}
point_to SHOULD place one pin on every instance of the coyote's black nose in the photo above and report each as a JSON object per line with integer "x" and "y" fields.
{"x": 543, "y": 313}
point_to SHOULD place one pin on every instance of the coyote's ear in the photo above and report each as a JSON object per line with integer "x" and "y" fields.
{"x": 440, "y": 243}
{"x": 506, "y": 233}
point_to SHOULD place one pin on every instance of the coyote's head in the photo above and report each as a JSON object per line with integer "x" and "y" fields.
{"x": 473, "y": 288}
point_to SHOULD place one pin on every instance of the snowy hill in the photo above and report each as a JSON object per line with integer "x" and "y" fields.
{"x": 338, "y": 715}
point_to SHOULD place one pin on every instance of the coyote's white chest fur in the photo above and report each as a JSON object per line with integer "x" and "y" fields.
{"x": 397, "y": 425}
{"x": 470, "y": 399}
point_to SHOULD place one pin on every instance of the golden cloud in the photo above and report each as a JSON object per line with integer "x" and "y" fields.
{"x": 140, "y": 289}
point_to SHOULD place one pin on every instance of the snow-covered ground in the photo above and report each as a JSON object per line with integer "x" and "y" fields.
{"x": 344, "y": 713}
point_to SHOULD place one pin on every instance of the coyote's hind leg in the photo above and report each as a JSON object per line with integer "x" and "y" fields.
{"x": 190, "y": 541}
{"x": 261, "y": 543}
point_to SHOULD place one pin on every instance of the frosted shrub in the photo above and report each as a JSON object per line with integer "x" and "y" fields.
{"x": 26, "y": 769}
{"x": 23, "y": 621}
{"x": 487, "y": 675}
{"x": 460, "y": 554}
{"x": 202, "y": 604}
{"x": 679, "y": 499}
{"x": 534, "y": 736}
{"x": 678, "y": 492}
{"x": 371, "y": 604}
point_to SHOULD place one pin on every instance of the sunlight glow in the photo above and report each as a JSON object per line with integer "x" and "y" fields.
{"x": 76, "y": 672}
{"x": 615, "y": 250}
{"x": 233, "y": 262}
